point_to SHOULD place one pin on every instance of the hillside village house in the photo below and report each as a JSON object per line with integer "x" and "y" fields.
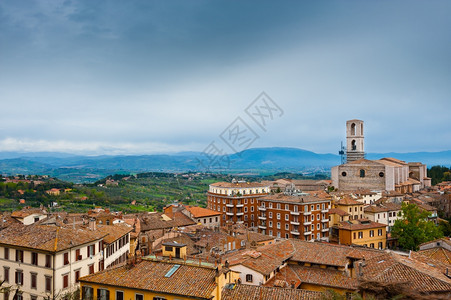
{"x": 46, "y": 260}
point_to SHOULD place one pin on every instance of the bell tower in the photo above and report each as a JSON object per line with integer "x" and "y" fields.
{"x": 354, "y": 140}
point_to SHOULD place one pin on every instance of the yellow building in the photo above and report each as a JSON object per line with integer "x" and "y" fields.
{"x": 174, "y": 250}
{"x": 158, "y": 280}
{"x": 363, "y": 232}
{"x": 353, "y": 207}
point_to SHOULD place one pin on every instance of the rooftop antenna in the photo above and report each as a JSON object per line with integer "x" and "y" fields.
{"x": 342, "y": 153}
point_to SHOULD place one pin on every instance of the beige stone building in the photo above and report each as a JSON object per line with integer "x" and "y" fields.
{"x": 386, "y": 174}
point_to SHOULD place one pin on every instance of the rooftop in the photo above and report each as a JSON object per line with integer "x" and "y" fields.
{"x": 252, "y": 292}
{"x": 360, "y": 224}
{"x": 160, "y": 277}
{"x": 239, "y": 184}
{"x": 281, "y": 197}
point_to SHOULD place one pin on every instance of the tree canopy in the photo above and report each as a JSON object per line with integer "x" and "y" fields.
{"x": 415, "y": 228}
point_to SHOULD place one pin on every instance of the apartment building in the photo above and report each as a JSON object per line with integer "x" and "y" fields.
{"x": 237, "y": 201}
{"x": 299, "y": 216}
{"x": 46, "y": 260}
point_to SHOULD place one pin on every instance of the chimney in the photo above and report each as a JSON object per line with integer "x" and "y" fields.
{"x": 92, "y": 223}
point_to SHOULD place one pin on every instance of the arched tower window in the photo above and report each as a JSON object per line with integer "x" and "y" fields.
{"x": 353, "y": 145}
{"x": 353, "y": 129}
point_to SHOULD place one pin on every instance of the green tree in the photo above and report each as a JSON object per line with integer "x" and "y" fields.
{"x": 414, "y": 229}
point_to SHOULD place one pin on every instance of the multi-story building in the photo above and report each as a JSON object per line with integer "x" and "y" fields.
{"x": 299, "y": 216}
{"x": 385, "y": 213}
{"x": 41, "y": 261}
{"x": 353, "y": 207}
{"x": 237, "y": 200}
{"x": 362, "y": 232}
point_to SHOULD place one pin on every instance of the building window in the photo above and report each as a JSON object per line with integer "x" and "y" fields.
{"x": 278, "y": 225}
{"x": 66, "y": 258}
{"x": 87, "y": 293}
{"x": 372, "y": 245}
{"x": 270, "y": 215}
{"x": 278, "y": 205}
{"x": 6, "y": 253}
{"x": 34, "y": 258}
{"x": 91, "y": 250}
{"x": 245, "y": 209}
{"x": 119, "y": 295}
{"x": 286, "y": 226}
{"x": 362, "y": 173}
{"x": 360, "y": 234}
{"x": 381, "y": 174}
{"x": 48, "y": 260}
{"x": 287, "y": 217}
{"x": 19, "y": 277}
{"x": 34, "y": 279}
{"x": 379, "y": 232}
{"x": 65, "y": 281}
{"x": 371, "y": 233}
{"x": 380, "y": 245}
{"x": 252, "y": 209}
{"x": 270, "y": 223}
{"x": 343, "y": 174}
{"x": 158, "y": 298}
{"x": 6, "y": 274}
{"x": 278, "y": 216}
{"x": 317, "y": 226}
{"x": 91, "y": 269}
{"x": 78, "y": 255}
{"x": 48, "y": 284}
{"x": 248, "y": 277}
{"x": 19, "y": 255}
{"x": 139, "y": 297}
{"x": 18, "y": 296}
{"x": 103, "y": 294}
{"x": 354, "y": 235}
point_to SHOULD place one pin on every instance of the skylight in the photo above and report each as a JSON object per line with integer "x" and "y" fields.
{"x": 172, "y": 271}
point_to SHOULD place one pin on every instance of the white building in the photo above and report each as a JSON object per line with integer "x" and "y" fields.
{"x": 47, "y": 260}
{"x": 386, "y": 213}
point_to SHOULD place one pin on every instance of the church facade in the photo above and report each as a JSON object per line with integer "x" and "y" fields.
{"x": 386, "y": 174}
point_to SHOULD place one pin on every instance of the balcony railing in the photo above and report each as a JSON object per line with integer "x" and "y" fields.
{"x": 294, "y": 223}
{"x": 262, "y": 217}
{"x": 295, "y": 232}
{"x": 307, "y": 213}
{"x": 296, "y": 213}
{"x": 307, "y": 233}
{"x": 262, "y": 208}
{"x": 307, "y": 223}
{"x": 230, "y": 205}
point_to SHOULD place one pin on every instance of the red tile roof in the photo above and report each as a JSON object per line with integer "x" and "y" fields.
{"x": 252, "y": 292}
{"x": 394, "y": 268}
{"x": 325, "y": 277}
{"x": 187, "y": 280}
{"x": 199, "y": 212}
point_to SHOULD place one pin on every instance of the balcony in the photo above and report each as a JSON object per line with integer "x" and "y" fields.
{"x": 326, "y": 210}
{"x": 240, "y": 213}
{"x": 229, "y": 205}
{"x": 307, "y": 213}
{"x": 307, "y": 233}
{"x": 262, "y": 208}
{"x": 262, "y": 226}
{"x": 240, "y": 222}
{"x": 230, "y": 213}
{"x": 325, "y": 220}
{"x": 295, "y": 213}
{"x": 262, "y": 217}
{"x": 307, "y": 223}
{"x": 240, "y": 205}
{"x": 295, "y": 232}
{"x": 294, "y": 223}
{"x": 325, "y": 230}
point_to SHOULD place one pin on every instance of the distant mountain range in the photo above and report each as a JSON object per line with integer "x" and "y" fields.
{"x": 78, "y": 168}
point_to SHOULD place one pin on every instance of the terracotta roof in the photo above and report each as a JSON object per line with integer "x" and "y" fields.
{"x": 47, "y": 237}
{"x": 446, "y": 240}
{"x": 438, "y": 253}
{"x": 338, "y": 211}
{"x": 25, "y": 212}
{"x": 113, "y": 232}
{"x": 187, "y": 280}
{"x": 199, "y": 212}
{"x": 348, "y": 201}
{"x": 265, "y": 260}
{"x": 328, "y": 254}
{"x": 360, "y": 224}
{"x": 252, "y": 292}
{"x": 325, "y": 277}
{"x": 394, "y": 268}
{"x": 239, "y": 185}
{"x": 156, "y": 221}
{"x": 386, "y": 207}
{"x": 394, "y": 160}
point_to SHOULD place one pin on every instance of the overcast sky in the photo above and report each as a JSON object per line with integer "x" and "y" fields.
{"x": 130, "y": 77}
